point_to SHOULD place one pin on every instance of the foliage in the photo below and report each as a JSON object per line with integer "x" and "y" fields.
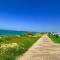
{"x": 55, "y": 38}
{"x": 13, "y": 45}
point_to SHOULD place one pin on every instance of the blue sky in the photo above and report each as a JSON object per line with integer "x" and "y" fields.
{"x": 30, "y": 15}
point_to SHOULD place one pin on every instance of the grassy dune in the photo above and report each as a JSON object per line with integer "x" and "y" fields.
{"x": 13, "y": 45}
{"x": 55, "y": 38}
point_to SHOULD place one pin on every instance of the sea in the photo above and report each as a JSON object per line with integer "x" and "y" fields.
{"x": 13, "y": 32}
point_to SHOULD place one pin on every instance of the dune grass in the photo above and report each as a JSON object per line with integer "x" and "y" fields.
{"x": 54, "y": 38}
{"x": 13, "y": 46}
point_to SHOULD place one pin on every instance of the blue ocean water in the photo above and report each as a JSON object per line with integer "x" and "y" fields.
{"x": 12, "y": 32}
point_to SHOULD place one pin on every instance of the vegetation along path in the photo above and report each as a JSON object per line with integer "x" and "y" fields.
{"x": 43, "y": 49}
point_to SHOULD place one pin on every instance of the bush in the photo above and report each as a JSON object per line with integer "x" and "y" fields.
{"x": 13, "y": 46}
{"x": 1, "y": 40}
{"x": 56, "y": 36}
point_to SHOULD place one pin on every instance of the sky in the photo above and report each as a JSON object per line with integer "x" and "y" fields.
{"x": 30, "y": 15}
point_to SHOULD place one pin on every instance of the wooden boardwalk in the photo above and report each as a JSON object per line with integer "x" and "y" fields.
{"x": 43, "y": 49}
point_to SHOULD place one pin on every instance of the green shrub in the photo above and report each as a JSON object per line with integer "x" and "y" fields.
{"x": 24, "y": 42}
{"x": 55, "y": 38}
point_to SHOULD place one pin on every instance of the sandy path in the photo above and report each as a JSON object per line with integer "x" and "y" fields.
{"x": 43, "y": 49}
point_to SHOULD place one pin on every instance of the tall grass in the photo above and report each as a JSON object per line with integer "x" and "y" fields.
{"x": 54, "y": 38}
{"x": 12, "y": 46}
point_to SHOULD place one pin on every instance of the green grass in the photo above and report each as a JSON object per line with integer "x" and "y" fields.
{"x": 13, "y": 46}
{"x": 54, "y": 38}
